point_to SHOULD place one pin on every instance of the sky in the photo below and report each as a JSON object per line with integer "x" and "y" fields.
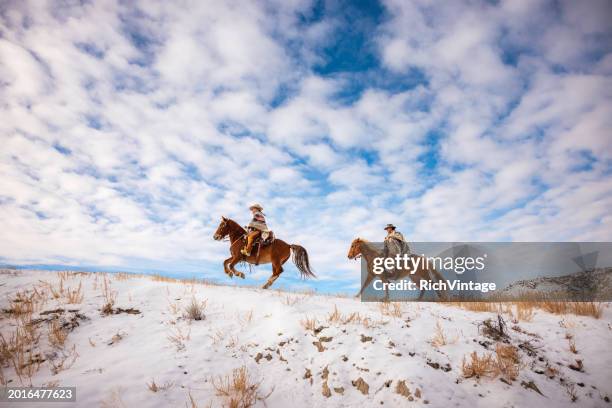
{"x": 129, "y": 128}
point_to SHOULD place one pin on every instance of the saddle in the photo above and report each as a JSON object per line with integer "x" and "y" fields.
{"x": 263, "y": 240}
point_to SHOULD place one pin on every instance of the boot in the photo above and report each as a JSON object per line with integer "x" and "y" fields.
{"x": 246, "y": 251}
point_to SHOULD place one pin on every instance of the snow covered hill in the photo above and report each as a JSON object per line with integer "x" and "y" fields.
{"x": 126, "y": 340}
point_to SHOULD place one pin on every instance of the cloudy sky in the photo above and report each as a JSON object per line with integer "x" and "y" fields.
{"x": 128, "y": 128}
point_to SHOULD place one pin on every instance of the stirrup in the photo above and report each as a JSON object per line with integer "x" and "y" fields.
{"x": 244, "y": 252}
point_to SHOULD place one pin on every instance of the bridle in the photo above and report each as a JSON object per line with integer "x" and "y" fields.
{"x": 224, "y": 237}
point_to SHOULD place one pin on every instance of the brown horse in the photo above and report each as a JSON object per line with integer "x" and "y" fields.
{"x": 361, "y": 246}
{"x": 276, "y": 253}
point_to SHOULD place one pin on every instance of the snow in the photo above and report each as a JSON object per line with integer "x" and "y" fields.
{"x": 119, "y": 354}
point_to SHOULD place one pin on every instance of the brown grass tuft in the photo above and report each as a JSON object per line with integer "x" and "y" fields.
{"x": 309, "y": 323}
{"x": 110, "y": 296}
{"x": 440, "y": 339}
{"x": 392, "y": 309}
{"x": 74, "y": 296}
{"x": 355, "y": 317}
{"x": 17, "y": 349}
{"x": 504, "y": 362}
{"x": 239, "y": 390}
{"x": 57, "y": 335}
{"x": 507, "y": 361}
{"x": 479, "y": 366}
{"x": 178, "y": 338}
{"x": 195, "y": 310}
{"x": 153, "y": 387}
{"x": 572, "y": 345}
{"x": 335, "y": 316}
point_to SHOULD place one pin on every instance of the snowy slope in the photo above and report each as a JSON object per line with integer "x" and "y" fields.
{"x": 118, "y": 354}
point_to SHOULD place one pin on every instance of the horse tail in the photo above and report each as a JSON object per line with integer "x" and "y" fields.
{"x": 300, "y": 259}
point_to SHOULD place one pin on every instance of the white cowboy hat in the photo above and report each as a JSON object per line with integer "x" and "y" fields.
{"x": 258, "y": 206}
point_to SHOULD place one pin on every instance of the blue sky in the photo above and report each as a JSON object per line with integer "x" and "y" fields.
{"x": 128, "y": 129}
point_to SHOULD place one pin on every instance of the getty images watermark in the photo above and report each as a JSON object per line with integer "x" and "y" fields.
{"x": 487, "y": 271}
{"x": 412, "y": 264}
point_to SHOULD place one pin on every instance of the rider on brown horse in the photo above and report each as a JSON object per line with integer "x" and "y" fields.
{"x": 394, "y": 241}
{"x": 256, "y": 227}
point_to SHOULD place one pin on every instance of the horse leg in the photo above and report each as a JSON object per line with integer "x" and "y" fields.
{"x": 277, "y": 269}
{"x": 367, "y": 282}
{"x": 233, "y": 263}
{"x": 225, "y": 269}
{"x": 386, "y": 289}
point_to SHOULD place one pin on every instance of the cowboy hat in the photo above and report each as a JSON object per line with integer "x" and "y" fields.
{"x": 258, "y": 206}
{"x": 391, "y": 226}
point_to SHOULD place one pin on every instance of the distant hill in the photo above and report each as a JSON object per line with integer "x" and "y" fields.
{"x": 595, "y": 284}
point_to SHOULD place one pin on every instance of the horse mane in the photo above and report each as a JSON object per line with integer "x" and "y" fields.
{"x": 234, "y": 225}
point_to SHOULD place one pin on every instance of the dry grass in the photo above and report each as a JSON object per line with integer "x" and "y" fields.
{"x": 309, "y": 323}
{"x": 57, "y": 335}
{"x": 154, "y": 387}
{"x": 218, "y": 337}
{"x": 492, "y": 307}
{"x": 17, "y": 349}
{"x": 592, "y": 309}
{"x": 336, "y": 317}
{"x": 505, "y": 362}
{"x": 238, "y": 390}
{"x": 191, "y": 403}
{"x": 74, "y": 296}
{"x": 357, "y": 318}
{"x": 289, "y": 300}
{"x": 440, "y": 339}
{"x": 174, "y": 307}
{"x": 392, "y": 309}
{"x": 233, "y": 342}
{"x": 114, "y": 399}
{"x": 525, "y": 309}
{"x": 479, "y": 366}
{"x": 246, "y": 319}
{"x": 24, "y": 303}
{"x": 572, "y": 345}
{"x": 122, "y": 276}
{"x": 195, "y": 310}
{"x": 570, "y": 388}
{"x": 63, "y": 361}
{"x": 178, "y": 337}
{"x": 61, "y": 291}
{"x": 109, "y": 295}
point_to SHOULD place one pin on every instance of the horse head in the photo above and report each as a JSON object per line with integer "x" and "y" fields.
{"x": 355, "y": 249}
{"x": 222, "y": 230}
